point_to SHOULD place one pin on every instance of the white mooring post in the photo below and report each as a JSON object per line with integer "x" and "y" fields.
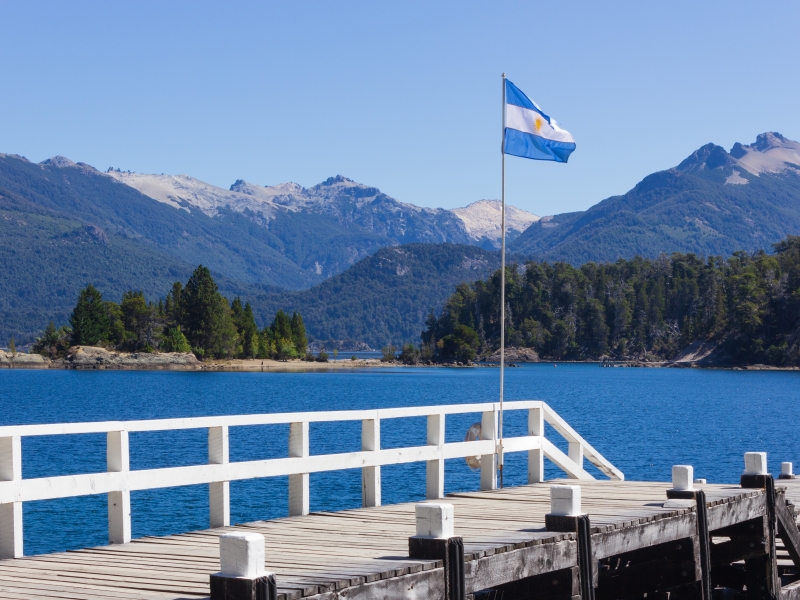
{"x": 435, "y": 520}
{"x": 565, "y": 500}
{"x": 11, "y": 512}
{"x": 536, "y": 457}
{"x": 755, "y": 463}
{"x": 119, "y": 502}
{"x": 370, "y": 476}
{"x": 298, "y": 483}
{"x": 786, "y": 471}
{"x": 489, "y": 461}
{"x": 241, "y": 555}
{"x": 434, "y": 469}
{"x": 242, "y": 575}
{"x": 683, "y": 477}
{"x": 219, "y": 492}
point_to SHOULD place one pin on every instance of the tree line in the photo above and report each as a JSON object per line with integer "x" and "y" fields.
{"x": 192, "y": 318}
{"x": 641, "y": 309}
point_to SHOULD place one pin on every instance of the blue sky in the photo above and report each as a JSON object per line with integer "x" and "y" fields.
{"x": 404, "y": 96}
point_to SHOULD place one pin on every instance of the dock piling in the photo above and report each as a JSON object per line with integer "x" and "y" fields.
{"x": 761, "y": 572}
{"x": 682, "y": 483}
{"x": 755, "y": 463}
{"x": 242, "y": 575}
{"x": 435, "y": 539}
{"x": 786, "y": 471}
{"x": 565, "y": 508}
{"x": 682, "y": 477}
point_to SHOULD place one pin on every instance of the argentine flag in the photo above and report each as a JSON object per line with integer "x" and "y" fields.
{"x": 530, "y": 133}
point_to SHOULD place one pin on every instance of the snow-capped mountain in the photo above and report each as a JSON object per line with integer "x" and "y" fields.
{"x": 713, "y": 203}
{"x": 483, "y": 221}
{"x": 349, "y": 203}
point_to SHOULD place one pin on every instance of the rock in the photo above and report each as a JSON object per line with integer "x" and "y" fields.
{"x": 96, "y": 233}
{"x": 92, "y": 357}
{"x": 703, "y": 353}
{"x": 513, "y": 354}
{"x": 20, "y": 360}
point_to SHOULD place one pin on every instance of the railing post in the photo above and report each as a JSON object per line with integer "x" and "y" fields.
{"x": 219, "y": 492}
{"x": 119, "y": 502}
{"x": 371, "y": 476}
{"x": 536, "y": 457}
{"x": 434, "y": 469}
{"x": 575, "y": 453}
{"x": 11, "y": 512}
{"x": 298, "y": 484}
{"x": 489, "y": 461}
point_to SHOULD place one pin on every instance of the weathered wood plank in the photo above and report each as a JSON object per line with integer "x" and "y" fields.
{"x": 517, "y": 564}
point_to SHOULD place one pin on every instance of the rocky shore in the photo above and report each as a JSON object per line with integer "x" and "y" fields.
{"x": 96, "y": 358}
{"x": 91, "y": 357}
{"x": 513, "y": 355}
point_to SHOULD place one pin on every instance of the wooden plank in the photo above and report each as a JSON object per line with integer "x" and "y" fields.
{"x": 517, "y": 564}
{"x": 640, "y": 536}
{"x": 420, "y": 586}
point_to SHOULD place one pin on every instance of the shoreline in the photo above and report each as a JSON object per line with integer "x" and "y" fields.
{"x": 102, "y": 360}
{"x": 235, "y": 365}
{"x": 92, "y": 358}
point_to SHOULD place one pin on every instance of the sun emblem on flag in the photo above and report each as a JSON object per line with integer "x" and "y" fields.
{"x": 538, "y": 124}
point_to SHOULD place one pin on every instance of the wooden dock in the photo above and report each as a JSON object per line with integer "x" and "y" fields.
{"x": 639, "y": 549}
{"x": 572, "y": 539}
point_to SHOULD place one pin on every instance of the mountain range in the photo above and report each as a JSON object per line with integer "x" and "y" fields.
{"x": 65, "y": 224}
{"x": 328, "y": 227}
{"x": 713, "y": 203}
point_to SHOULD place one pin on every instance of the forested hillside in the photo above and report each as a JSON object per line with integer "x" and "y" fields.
{"x": 647, "y": 309}
{"x": 384, "y": 298}
{"x": 231, "y": 244}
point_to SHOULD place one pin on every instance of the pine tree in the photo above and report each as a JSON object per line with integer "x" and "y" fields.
{"x": 282, "y": 335}
{"x": 266, "y": 344}
{"x": 237, "y": 312}
{"x": 12, "y": 346}
{"x": 138, "y": 317}
{"x": 173, "y": 305}
{"x": 299, "y": 337}
{"x": 245, "y": 323}
{"x": 207, "y": 321}
{"x": 282, "y": 328}
{"x": 89, "y": 319}
{"x": 249, "y": 332}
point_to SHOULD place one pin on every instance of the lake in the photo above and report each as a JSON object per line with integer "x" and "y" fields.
{"x": 642, "y": 420}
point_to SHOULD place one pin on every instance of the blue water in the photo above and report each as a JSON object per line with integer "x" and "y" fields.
{"x": 642, "y": 420}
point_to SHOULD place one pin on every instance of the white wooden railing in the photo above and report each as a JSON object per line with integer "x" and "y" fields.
{"x": 119, "y": 480}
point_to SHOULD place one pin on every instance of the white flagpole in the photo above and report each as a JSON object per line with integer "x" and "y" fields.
{"x": 502, "y": 282}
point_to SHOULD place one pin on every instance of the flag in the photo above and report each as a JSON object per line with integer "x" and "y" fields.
{"x": 530, "y": 133}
